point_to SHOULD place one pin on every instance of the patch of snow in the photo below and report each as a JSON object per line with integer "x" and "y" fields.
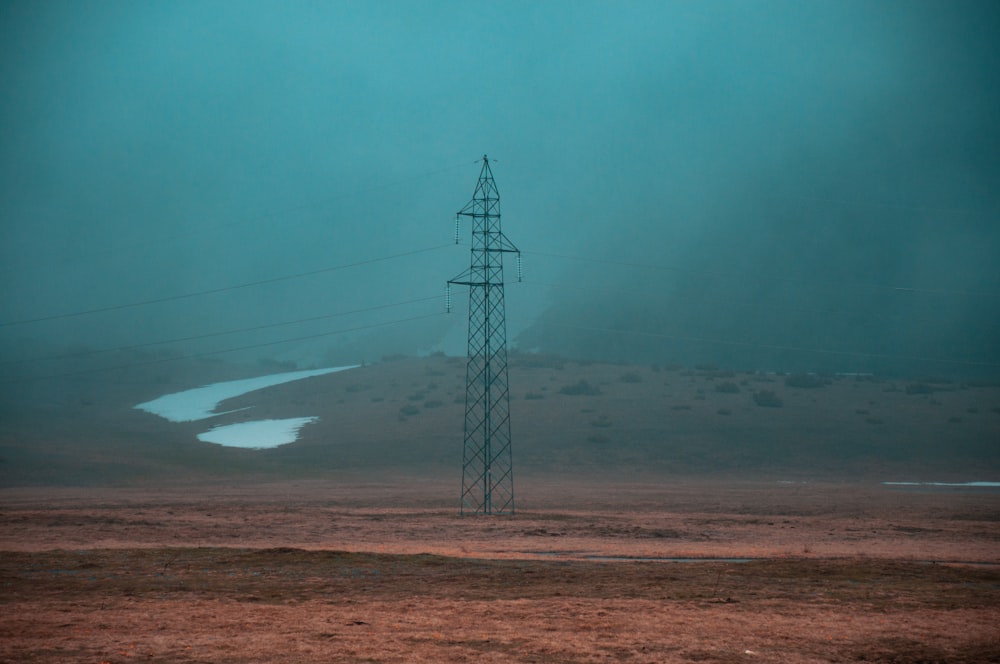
{"x": 200, "y": 403}
{"x": 259, "y": 435}
{"x": 990, "y": 484}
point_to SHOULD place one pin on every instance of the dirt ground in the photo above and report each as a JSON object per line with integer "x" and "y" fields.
{"x": 387, "y": 571}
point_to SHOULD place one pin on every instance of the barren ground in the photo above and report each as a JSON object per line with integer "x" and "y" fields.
{"x": 388, "y": 572}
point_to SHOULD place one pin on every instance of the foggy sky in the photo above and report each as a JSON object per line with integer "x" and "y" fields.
{"x": 784, "y": 167}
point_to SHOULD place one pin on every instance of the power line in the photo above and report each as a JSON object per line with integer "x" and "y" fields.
{"x": 208, "y": 335}
{"x": 271, "y": 214}
{"x": 729, "y": 275}
{"x": 234, "y": 349}
{"x": 223, "y": 289}
{"x": 753, "y": 344}
{"x": 755, "y": 305}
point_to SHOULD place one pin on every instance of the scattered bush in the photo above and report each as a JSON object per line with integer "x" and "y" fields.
{"x": 270, "y": 364}
{"x": 432, "y": 403}
{"x": 533, "y": 396}
{"x": 807, "y": 381}
{"x": 601, "y": 422}
{"x": 536, "y": 360}
{"x": 581, "y": 387}
{"x": 728, "y": 387}
{"x": 631, "y": 377}
{"x": 598, "y": 438}
{"x": 919, "y": 388}
{"x": 767, "y": 399}
{"x": 409, "y": 410}
{"x": 724, "y": 411}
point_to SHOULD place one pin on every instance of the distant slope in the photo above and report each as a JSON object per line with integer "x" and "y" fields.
{"x": 405, "y": 417}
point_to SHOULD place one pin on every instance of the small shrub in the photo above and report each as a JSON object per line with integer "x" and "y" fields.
{"x": 377, "y": 399}
{"x": 432, "y": 403}
{"x": 807, "y": 381}
{"x": 728, "y": 387}
{"x": 409, "y": 410}
{"x": 417, "y": 396}
{"x": 724, "y": 411}
{"x": 630, "y": 377}
{"x": 682, "y": 407}
{"x": 767, "y": 399}
{"x": 601, "y": 422}
{"x": 598, "y": 438}
{"x": 581, "y": 387}
{"x": 919, "y": 388}
{"x": 533, "y": 396}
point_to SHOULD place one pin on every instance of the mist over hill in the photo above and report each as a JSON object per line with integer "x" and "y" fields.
{"x": 790, "y": 186}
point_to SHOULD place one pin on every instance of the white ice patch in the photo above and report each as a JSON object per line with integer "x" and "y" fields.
{"x": 989, "y": 484}
{"x": 200, "y": 403}
{"x": 257, "y": 435}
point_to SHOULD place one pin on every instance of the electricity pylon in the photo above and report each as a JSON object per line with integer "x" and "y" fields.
{"x": 487, "y": 466}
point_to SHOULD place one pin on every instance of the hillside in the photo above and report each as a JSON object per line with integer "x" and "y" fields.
{"x": 403, "y": 416}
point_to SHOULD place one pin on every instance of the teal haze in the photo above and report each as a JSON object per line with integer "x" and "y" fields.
{"x": 764, "y": 185}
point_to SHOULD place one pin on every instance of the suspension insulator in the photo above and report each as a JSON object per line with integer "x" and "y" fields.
{"x": 458, "y": 229}
{"x": 447, "y": 299}
{"x": 520, "y": 272}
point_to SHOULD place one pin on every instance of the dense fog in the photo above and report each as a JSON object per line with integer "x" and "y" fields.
{"x": 761, "y": 185}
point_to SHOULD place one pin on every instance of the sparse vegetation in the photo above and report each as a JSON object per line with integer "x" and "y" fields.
{"x": 581, "y": 387}
{"x": 724, "y": 411}
{"x": 533, "y": 396}
{"x": 630, "y": 377}
{"x": 601, "y": 422}
{"x": 919, "y": 388}
{"x": 432, "y": 403}
{"x": 524, "y": 360}
{"x": 767, "y": 399}
{"x": 727, "y": 387}
{"x": 806, "y": 381}
{"x": 409, "y": 410}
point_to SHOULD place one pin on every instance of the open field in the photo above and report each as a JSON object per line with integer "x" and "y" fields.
{"x": 383, "y": 572}
{"x": 664, "y": 514}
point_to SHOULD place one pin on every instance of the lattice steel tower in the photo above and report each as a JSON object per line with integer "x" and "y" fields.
{"x": 487, "y": 466}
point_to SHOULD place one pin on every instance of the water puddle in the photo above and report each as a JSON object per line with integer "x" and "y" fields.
{"x": 596, "y": 557}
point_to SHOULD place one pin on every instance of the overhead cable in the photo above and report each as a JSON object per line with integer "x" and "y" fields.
{"x": 223, "y": 289}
